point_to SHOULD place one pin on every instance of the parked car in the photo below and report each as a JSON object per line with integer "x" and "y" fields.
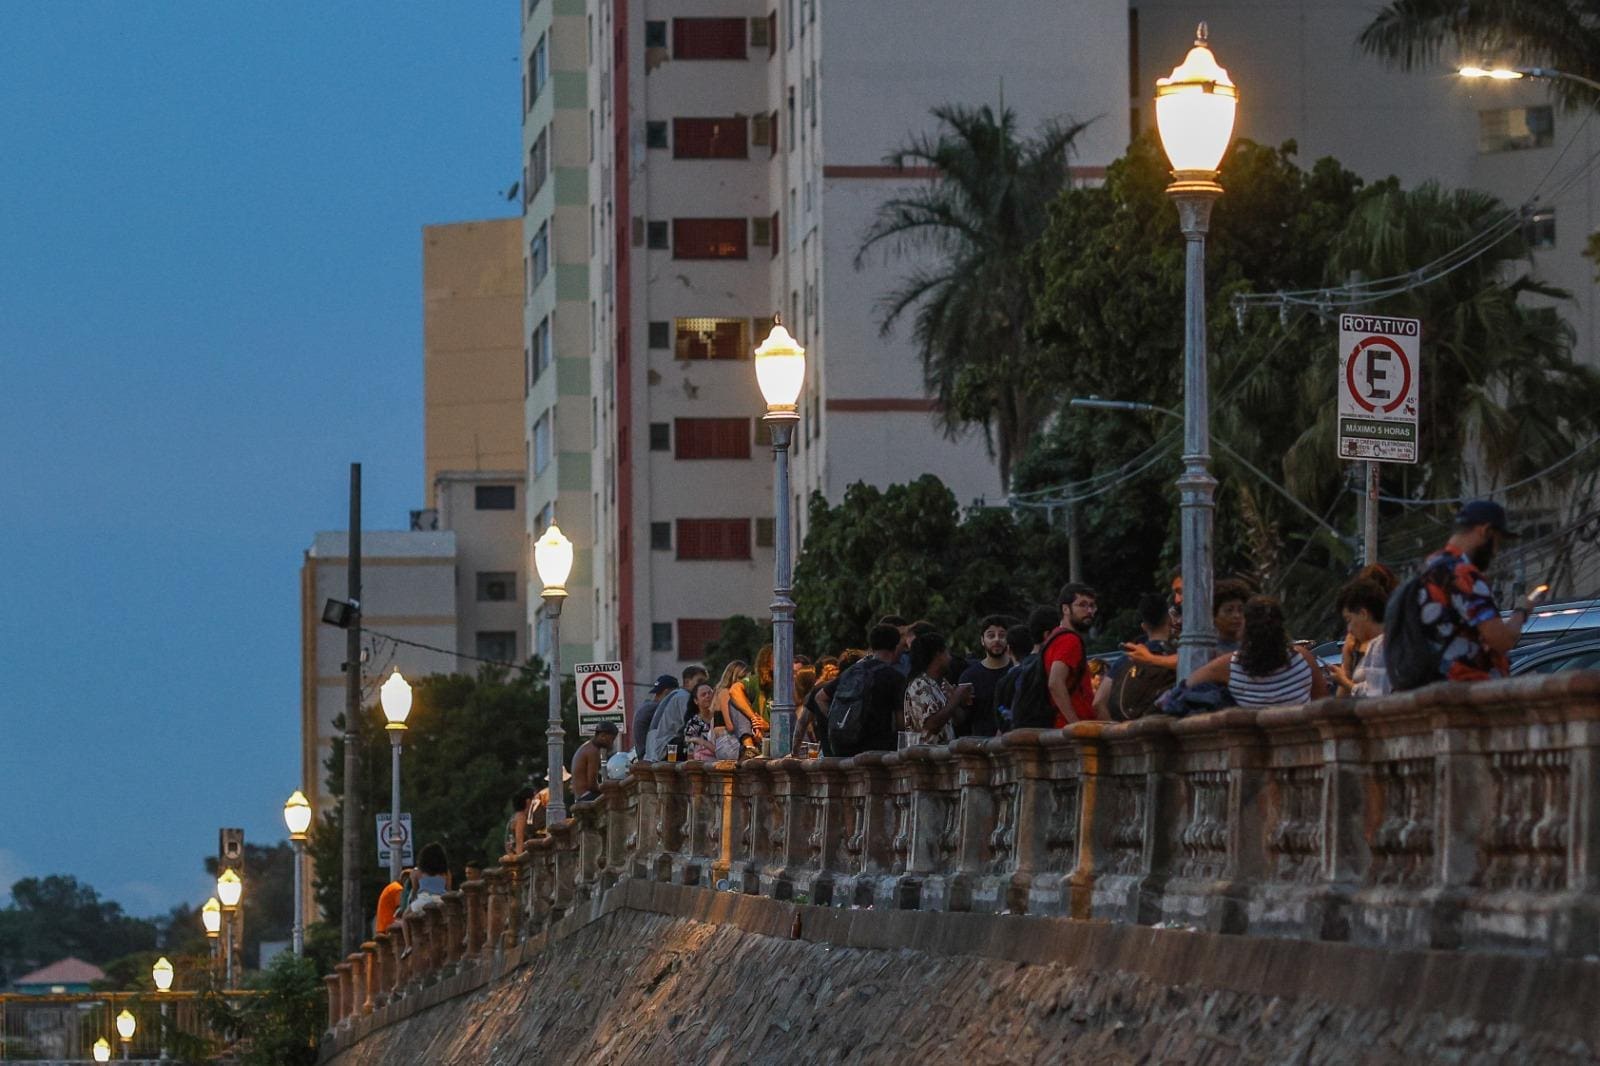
{"x": 1577, "y": 652}
{"x": 1553, "y": 621}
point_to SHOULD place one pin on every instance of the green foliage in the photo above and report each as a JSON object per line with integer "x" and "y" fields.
{"x": 54, "y": 917}
{"x": 470, "y": 743}
{"x": 280, "y": 1026}
{"x": 741, "y": 638}
{"x": 907, "y": 550}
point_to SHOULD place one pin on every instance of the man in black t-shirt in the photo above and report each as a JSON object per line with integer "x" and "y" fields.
{"x": 981, "y": 719}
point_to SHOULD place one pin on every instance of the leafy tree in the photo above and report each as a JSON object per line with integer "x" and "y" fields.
{"x": 54, "y": 917}
{"x": 281, "y": 1026}
{"x": 970, "y": 228}
{"x": 741, "y": 638}
{"x": 269, "y": 895}
{"x": 470, "y": 743}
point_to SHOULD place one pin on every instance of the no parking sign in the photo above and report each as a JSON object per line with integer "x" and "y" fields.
{"x": 1380, "y": 368}
{"x": 600, "y": 697}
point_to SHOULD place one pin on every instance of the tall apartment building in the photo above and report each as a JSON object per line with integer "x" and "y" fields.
{"x": 731, "y": 155}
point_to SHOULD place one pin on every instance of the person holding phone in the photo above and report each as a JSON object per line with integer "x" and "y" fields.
{"x": 932, "y": 705}
{"x": 1455, "y": 602}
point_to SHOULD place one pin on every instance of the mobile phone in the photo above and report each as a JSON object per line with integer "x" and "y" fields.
{"x": 1538, "y": 594}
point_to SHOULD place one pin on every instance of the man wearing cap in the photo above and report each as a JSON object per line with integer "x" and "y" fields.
{"x": 588, "y": 759}
{"x": 666, "y": 726}
{"x": 647, "y": 710}
{"x": 1464, "y": 624}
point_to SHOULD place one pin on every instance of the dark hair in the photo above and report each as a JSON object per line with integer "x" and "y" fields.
{"x": 1072, "y": 590}
{"x": 433, "y": 860}
{"x": 884, "y": 636}
{"x": 1020, "y": 640}
{"x": 925, "y": 649}
{"x": 850, "y": 656}
{"x": 1381, "y": 576}
{"x": 1263, "y": 646}
{"x": 994, "y": 620}
{"x": 1152, "y": 610}
{"x": 691, "y": 672}
{"x": 519, "y": 802}
{"x": 1041, "y": 620}
{"x": 893, "y": 620}
{"x": 827, "y": 661}
{"x": 1228, "y": 590}
{"x": 922, "y": 626}
{"x": 1363, "y": 595}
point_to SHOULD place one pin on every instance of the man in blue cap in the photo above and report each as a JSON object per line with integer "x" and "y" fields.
{"x": 1464, "y": 625}
{"x": 647, "y": 711}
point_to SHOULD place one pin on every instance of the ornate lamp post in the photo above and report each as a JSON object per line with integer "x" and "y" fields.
{"x": 552, "y": 557}
{"x": 395, "y": 696}
{"x": 1194, "y": 113}
{"x": 161, "y": 974}
{"x": 126, "y": 1027}
{"x": 781, "y": 372}
{"x": 297, "y": 816}
{"x": 102, "y": 1050}
{"x": 229, "y": 890}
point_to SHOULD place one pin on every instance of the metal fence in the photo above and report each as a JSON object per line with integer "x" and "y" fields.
{"x": 49, "y": 1029}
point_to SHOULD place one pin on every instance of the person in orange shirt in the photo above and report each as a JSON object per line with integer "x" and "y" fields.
{"x": 388, "y": 905}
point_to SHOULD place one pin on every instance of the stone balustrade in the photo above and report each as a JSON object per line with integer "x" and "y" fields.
{"x": 1455, "y": 817}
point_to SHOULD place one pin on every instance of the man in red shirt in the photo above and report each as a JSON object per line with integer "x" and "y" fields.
{"x": 1065, "y": 662}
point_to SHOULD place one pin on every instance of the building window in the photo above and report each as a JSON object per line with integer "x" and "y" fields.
{"x": 711, "y": 138}
{"x": 541, "y": 444}
{"x": 547, "y": 515}
{"x": 713, "y": 538}
{"x": 657, "y": 236}
{"x": 655, "y": 135}
{"x": 539, "y": 254}
{"x": 711, "y": 438}
{"x": 539, "y": 354}
{"x": 497, "y": 644}
{"x": 661, "y": 536}
{"x": 710, "y": 238}
{"x": 661, "y": 436}
{"x": 711, "y": 338}
{"x": 660, "y": 334}
{"x": 694, "y": 634}
{"x": 764, "y": 532}
{"x": 494, "y": 497}
{"x": 538, "y": 162}
{"x": 1507, "y": 129}
{"x": 709, "y": 38}
{"x": 538, "y": 70}
{"x": 761, "y": 232}
{"x": 660, "y": 636}
{"x": 497, "y": 586}
{"x": 1539, "y": 230}
{"x": 655, "y": 33}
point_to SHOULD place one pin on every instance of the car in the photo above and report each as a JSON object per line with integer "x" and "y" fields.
{"x": 1579, "y": 651}
{"x": 1554, "y": 621}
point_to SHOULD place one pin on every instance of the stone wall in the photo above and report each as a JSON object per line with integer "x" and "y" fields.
{"x": 1461, "y": 818}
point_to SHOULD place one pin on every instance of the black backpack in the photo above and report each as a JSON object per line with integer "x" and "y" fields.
{"x": 848, "y": 709}
{"x": 1031, "y": 707}
{"x": 1137, "y": 687}
{"x": 1408, "y": 650}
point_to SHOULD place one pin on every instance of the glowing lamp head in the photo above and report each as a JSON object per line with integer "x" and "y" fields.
{"x": 780, "y": 368}
{"x": 229, "y": 888}
{"x": 552, "y": 557}
{"x": 161, "y": 974}
{"x": 211, "y": 916}
{"x": 396, "y": 699}
{"x": 1498, "y": 73}
{"x": 297, "y": 815}
{"x": 126, "y": 1026}
{"x": 102, "y": 1050}
{"x": 1194, "y": 111}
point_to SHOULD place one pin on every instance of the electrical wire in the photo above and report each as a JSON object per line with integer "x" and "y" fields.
{"x": 1444, "y": 500}
{"x": 539, "y": 671}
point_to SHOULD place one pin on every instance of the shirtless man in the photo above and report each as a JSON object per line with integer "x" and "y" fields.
{"x": 588, "y": 760}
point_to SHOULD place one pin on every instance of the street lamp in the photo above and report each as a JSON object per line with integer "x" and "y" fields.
{"x": 229, "y": 890}
{"x": 1518, "y": 73}
{"x": 102, "y": 1050}
{"x": 126, "y": 1027}
{"x": 297, "y": 816}
{"x": 1194, "y": 114}
{"x": 161, "y": 974}
{"x": 552, "y": 558}
{"x": 395, "y": 696}
{"x": 781, "y": 372}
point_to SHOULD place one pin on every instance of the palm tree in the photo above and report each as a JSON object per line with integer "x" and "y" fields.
{"x": 972, "y": 226}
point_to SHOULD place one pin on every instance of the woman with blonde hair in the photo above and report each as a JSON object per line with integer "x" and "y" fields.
{"x": 730, "y": 708}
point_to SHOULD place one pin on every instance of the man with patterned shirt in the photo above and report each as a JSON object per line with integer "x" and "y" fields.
{"x": 1458, "y": 609}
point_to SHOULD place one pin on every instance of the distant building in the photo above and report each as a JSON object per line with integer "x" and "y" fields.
{"x": 69, "y": 975}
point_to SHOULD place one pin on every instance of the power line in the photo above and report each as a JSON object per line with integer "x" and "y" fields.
{"x": 539, "y": 671}
{"x": 1443, "y": 500}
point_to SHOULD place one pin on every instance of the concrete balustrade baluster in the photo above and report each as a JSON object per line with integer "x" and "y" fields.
{"x": 690, "y": 862}
{"x": 782, "y": 837}
{"x": 622, "y": 800}
{"x": 1217, "y": 841}
{"x": 976, "y": 818}
{"x": 455, "y": 928}
{"x": 497, "y": 886}
{"x": 1136, "y": 800}
{"x": 821, "y": 840}
{"x": 935, "y": 825}
{"x": 371, "y": 979}
{"x": 358, "y": 985}
{"x": 671, "y": 812}
{"x": 751, "y": 811}
{"x": 330, "y": 985}
{"x": 586, "y": 818}
{"x": 868, "y": 829}
{"x": 564, "y": 851}
{"x": 382, "y": 971}
{"x": 396, "y": 966}
{"x": 645, "y": 847}
{"x": 718, "y": 807}
{"x": 345, "y": 991}
{"x": 475, "y": 894}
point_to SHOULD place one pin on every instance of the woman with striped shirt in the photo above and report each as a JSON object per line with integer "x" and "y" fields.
{"x": 1266, "y": 671}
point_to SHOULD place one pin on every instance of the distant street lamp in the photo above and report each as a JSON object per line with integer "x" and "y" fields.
{"x": 395, "y": 696}
{"x": 126, "y": 1027}
{"x": 781, "y": 373}
{"x": 1194, "y": 114}
{"x": 102, "y": 1050}
{"x": 297, "y": 816}
{"x": 230, "y": 889}
{"x": 552, "y": 558}
{"x": 161, "y": 974}
{"x": 1517, "y": 73}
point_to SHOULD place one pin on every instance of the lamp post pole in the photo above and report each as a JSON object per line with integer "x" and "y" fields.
{"x": 350, "y": 917}
{"x": 552, "y": 559}
{"x": 780, "y": 372}
{"x": 299, "y": 928}
{"x": 395, "y": 846}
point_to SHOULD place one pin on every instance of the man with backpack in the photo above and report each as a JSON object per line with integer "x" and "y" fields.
{"x": 1443, "y": 624}
{"x": 1133, "y": 687}
{"x": 863, "y": 714}
{"x": 1054, "y": 688}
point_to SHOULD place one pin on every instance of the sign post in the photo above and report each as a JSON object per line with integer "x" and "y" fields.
{"x": 600, "y": 696}
{"x": 1380, "y": 374}
{"x": 388, "y": 837}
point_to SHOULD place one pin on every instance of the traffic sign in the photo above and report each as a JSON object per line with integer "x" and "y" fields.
{"x": 388, "y": 837}
{"x": 1380, "y": 370}
{"x": 600, "y": 696}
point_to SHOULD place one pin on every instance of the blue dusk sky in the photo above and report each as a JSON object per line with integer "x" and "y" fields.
{"x": 210, "y": 304}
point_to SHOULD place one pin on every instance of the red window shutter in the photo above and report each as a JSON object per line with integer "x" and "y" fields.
{"x": 713, "y": 538}
{"x": 710, "y": 238}
{"x": 711, "y": 438}
{"x": 694, "y": 634}
{"x": 710, "y": 138}
{"x": 702, "y": 38}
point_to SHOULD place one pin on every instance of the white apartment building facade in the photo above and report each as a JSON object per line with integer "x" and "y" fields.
{"x": 734, "y": 156}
